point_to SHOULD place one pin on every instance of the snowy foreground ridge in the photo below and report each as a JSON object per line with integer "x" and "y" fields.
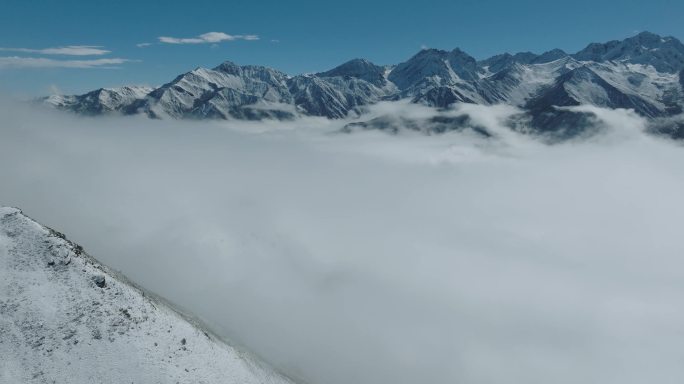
{"x": 65, "y": 318}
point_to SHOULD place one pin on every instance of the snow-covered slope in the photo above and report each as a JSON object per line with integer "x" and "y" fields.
{"x": 220, "y": 92}
{"x": 100, "y": 101}
{"x": 333, "y": 97}
{"x": 361, "y": 69}
{"x": 65, "y": 318}
{"x": 516, "y": 83}
{"x": 642, "y": 72}
{"x": 665, "y": 54}
{"x": 438, "y": 78}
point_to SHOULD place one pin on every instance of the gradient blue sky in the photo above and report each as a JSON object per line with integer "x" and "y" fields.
{"x": 296, "y": 37}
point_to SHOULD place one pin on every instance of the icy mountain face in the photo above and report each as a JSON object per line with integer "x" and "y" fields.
{"x": 65, "y": 318}
{"x": 256, "y": 92}
{"x": 333, "y": 97}
{"x": 549, "y": 56}
{"x": 434, "y": 67}
{"x": 585, "y": 85}
{"x": 220, "y": 92}
{"x": 100, "y": 101}
{"x": 643, "y": 72}
{"x": 665, "y": 54}
{"x": 438, "y": 78}
{"x": 517, "y": 83}
{"x": 341, "y": 91}
{"x": 639, "y": 87}
{"x": 497, "y": 63}
{"x": 360, "y": 69}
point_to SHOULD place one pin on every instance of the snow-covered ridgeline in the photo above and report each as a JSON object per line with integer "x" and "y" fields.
{"x": 65, "y": 318}
{"x": 642, "y": 73}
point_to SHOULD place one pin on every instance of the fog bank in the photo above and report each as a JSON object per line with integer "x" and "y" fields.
{"x": 376, "y": 258}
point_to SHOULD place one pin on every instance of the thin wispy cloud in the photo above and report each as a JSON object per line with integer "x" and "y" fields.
{"x": 143, "y": 45}
{"x": 15, "y": 62}
{"x": 70, "y": 50}
{"x": 205, "y": 38}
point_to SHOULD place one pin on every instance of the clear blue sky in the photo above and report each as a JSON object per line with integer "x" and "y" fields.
{"x": 293, "y": 36}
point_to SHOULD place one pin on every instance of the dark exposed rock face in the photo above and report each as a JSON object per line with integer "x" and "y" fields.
{"x": 432, "y": 125}
{"x": 100, "y": 281}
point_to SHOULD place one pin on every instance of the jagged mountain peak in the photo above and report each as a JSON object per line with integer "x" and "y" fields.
{"x": 435, "y": 66}
{"x": 198, "y": 93}
{"x": 358, "y": 68}
{"x": 101, "y": 100}
{"x": 496, "y": 63}
{"x": 462, "y": 55}
{"x": 549, "y": 56}
{"x": 132, "y": 90}
{"x": 647, "y": 35}
{"x": 644, "y": 72}
{"x": 500, "y": 56}
{"x": 231, "y": 68}
{"x": 459, "y": 52}
{"x": 226, "y": 66}
{"x": 439, "y": 54}
{"x": 525, "y": 57}
{"x": 581, "y": 72}
{"x": 351, "y": 65}
{"x": 464, "y": 65}
{"x": 427, "y": 55}
{"x": 430, "y": 51}
{"x": 426, "y": 63}
{"x": 665, "y": 54}
{"x": 650, "y": 38}
{"x": 499, "y": 62}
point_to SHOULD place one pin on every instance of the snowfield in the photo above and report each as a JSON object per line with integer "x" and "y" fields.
{"x": 65, "y": 318}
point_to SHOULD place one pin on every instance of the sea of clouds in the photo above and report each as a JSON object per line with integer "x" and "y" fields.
{"x": 376, "y": 258}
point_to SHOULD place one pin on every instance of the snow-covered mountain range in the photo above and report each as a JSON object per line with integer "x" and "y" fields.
{"x": 65, "y": 318}
{"x": 644, "y": 73}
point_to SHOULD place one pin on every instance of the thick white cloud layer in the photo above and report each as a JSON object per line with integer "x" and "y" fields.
{"x": 370, "y": 258}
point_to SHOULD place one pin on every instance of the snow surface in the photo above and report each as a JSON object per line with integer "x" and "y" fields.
{"x": 58, "y": 326}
